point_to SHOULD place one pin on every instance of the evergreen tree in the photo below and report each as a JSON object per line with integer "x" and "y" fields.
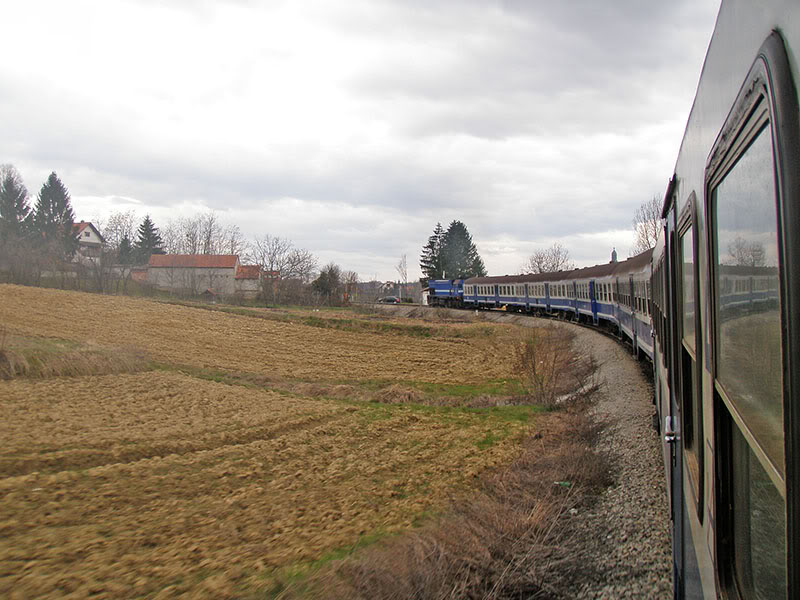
{"x": 148, "y": 241}
{"x": 430, "y": 262}
{"x": 53, "y": 218}
{"x": 16, "y": 218}
{"x": 459, "y": 256}
{"x": 125, "y": 251}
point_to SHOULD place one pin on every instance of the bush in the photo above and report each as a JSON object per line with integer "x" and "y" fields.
{"x": 551, "y": 370}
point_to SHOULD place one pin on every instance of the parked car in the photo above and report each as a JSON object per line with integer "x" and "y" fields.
{"x": 389, "y": 300}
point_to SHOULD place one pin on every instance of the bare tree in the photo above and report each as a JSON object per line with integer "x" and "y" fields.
{"x": 552, "y": 259}
{"x": 172, "y": 237}
{"x": 646, "y": 225}
{"x": 301, "y": 265}
{"x": 120, "y": 225}
{"x": 350, "y": 282}
{"x": 191, "y": 235}
{"x": 402, "y": 271}
{"x": 744, "y": 253}
{"x": 281, "y": 262}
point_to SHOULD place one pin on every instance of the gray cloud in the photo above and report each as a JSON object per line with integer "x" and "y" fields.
{"x": 530, "y": 121}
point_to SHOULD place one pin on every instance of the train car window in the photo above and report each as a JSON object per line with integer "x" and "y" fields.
{"x": 749, "y": 355}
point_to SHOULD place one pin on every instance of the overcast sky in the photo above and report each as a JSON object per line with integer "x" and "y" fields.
{"x": 352, "y": 127}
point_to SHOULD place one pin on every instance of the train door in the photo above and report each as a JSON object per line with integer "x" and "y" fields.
{"x": 593, "y": 300}
{"x": 681, "y": 426}
{"x": 754, "y": 190}
{"x": 547, "y": 296}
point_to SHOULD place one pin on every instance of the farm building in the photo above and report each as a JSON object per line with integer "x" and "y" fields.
{"x": 247, "y": 282}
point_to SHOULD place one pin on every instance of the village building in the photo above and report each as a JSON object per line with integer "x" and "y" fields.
{"x": 90, "y": 241}
{"x": 210, "y": 274}
{"x": 247, "y": 283}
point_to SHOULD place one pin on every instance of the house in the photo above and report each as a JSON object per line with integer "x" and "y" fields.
{"x": 193, "y": 273}
{"x": 247, "y": 282}
{"x": 90, "y": 242}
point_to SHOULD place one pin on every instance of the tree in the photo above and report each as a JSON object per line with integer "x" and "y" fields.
{"x": 744, "y": 253}
{"x": 282, "y": 263}
{"x": 148, "y": 241}
{"x": 53, "y": 219}
{"x": 329, "y": 282}
{"x": 552, "y": 259}
{"x": 430, "y": 262}
{"x": 459, "y": 256}
{"x": 646, "y": 225}
{"x": 350, "y": 284}
{"x": 120, "y": 226}
{"x": 402, "y": 271}
{"x": 125, "y": 252}
{"x": 16, "y": 217}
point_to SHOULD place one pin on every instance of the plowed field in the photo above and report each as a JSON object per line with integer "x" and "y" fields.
{"x": 202, "y": 338}
{"x": 164, "y": 484}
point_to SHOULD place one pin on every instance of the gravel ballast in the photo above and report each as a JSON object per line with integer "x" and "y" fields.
{"x": 627, "y": 535}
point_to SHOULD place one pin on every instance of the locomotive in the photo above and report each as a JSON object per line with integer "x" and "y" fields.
{"x": 714, "y": 306}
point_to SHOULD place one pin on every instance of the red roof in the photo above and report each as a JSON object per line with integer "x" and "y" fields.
{"x": 248, "y": 272}
{"x": 195, "y": 261}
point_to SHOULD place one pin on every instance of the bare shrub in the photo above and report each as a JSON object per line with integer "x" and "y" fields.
{"x": 398, "y": 394}
{"x": 553, "y": 371}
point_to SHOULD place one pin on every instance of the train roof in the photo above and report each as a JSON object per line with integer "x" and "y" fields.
{"x": 635, "y": 263}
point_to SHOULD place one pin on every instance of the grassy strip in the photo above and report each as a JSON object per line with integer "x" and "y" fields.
{"x": 39, "y": 357}
{"x": 490, "y": 399}
{"x": 354, "y": 325}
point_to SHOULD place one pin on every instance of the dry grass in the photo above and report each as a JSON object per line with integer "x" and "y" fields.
{"x": 216, "y": 340}
{"x": 34, "y": 357}
{"x": 551, "y": 368}
{"x": 508, "y": 540}
{"x": 166, "y": 484}
{"x": 136, "y": 484}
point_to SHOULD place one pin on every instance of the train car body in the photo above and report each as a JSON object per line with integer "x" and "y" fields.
{"x": 725, "y": 284}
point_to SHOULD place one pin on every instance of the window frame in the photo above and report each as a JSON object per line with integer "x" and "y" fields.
{"x": 694, "y": 454}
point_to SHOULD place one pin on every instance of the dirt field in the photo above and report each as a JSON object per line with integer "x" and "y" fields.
{"x": 202, "y": 338}
{"x": 164, "y": 483}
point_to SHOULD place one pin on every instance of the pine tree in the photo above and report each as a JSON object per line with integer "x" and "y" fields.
{"x": 125, "y": 251}
{"x": 16, "y": 218}
{"x": 430, "y": 262}
{"x": 148, "y": 241}
{"x": 53, "y": 218}
{"x": 459, "y": 256}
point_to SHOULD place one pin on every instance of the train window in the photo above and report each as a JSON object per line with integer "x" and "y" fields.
{"x": 688, "y": 303}
{"x": 759, "y": 525}
{"x": 748, "y": 353}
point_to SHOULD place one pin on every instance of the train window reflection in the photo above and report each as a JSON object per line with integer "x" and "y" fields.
{"x": 759, "y": 527}
{"x": 747, "y": 302}
{"x": 687, "y": 271}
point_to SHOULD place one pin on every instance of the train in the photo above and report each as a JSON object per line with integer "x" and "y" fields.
{"x": 715, "y": 307}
